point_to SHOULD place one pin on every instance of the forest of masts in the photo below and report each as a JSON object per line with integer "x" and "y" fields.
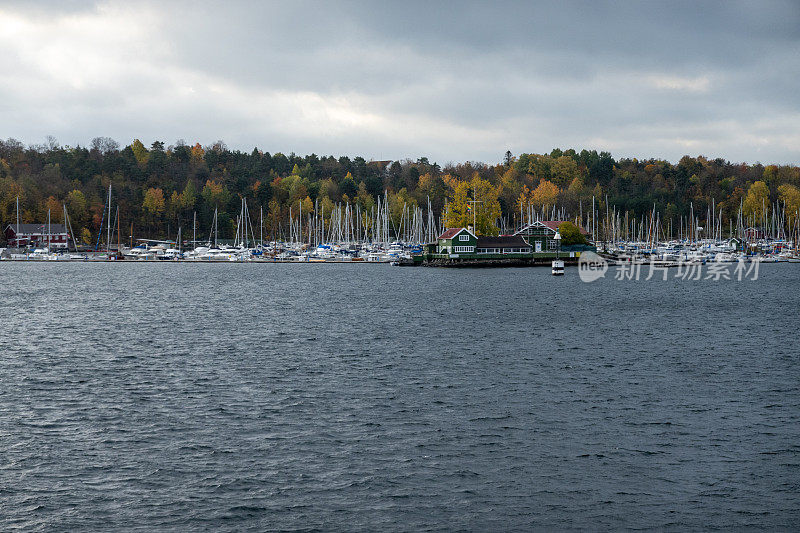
{"x": 773, "y": 223}
{"x": 347, "y": 223}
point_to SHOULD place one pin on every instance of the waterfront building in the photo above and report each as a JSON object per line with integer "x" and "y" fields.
{"x": 461, "y": 246}
{"x": 502, "y": 246}
{"x": 462, "y": 242}
{"x": 36, "y": 235}
{"x": 457, "y": 241}
{"x": 540, "y": 235}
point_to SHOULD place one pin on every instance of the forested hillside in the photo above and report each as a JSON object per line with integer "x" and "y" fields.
{"x": 159, "y": 188}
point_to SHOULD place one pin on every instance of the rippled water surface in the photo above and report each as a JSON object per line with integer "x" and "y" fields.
{"x": 366, "y": 397}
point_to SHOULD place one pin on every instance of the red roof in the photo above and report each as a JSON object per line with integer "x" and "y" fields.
{"x": 452, "y": 232}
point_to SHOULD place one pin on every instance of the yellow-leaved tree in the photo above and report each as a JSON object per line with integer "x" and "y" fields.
{"x": 545, "y": 195}
{"x": 153, "y": 201}
{"x": 153, "y": 205}
{"x": 141, "y": 153}
{"x": 524, "y": 199}
{"x": 476, "y": 201}
{"x": 308, "y": 206}
{"x": 757, "y": 200}
{"x": 791, "y": 196}
{"x": 564, "y": 170}
{"x": 457, "y": 208}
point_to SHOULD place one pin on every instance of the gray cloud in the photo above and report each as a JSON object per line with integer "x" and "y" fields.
{"x": 451, "y": 81}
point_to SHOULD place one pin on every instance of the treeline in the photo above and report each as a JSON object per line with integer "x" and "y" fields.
{"x": 160, "y": 188}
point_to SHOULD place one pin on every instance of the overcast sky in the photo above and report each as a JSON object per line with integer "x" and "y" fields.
{"x": 451, "y": 81}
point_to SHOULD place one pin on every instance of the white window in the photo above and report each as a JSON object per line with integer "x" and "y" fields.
{"x": 463, "y": 237}
{"x": 464, "y": 249}
{"x": 552, "y": 245}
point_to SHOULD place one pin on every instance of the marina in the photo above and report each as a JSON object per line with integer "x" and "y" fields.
{"x": 349, "y": 236}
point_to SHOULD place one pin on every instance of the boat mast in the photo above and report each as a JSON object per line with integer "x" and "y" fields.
{"x": 17, "y": 221}
{"x": 48, "y": 231}
{"x": 66, "y": 227}
{"x": 108, "y": 236}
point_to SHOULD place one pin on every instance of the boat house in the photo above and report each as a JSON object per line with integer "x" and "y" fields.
{"x": 36, "y": 235}
{"x": 462, "y": 242}
{"x": 540, "y": 235}
{"x": 456, "y": 241}
{"x": 462, "y": 247}
{"x": 503, "y": 245}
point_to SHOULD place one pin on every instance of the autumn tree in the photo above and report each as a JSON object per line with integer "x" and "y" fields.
{"x": 576, "y": 190}
{"x": 188, "y": 196}
{"x": 153, "y": 201}
{"x": 307, "y": 205}
{"x": 757, "y": 200}
{"x": 364, "y": 198}
{"x": 153, "y": 204}
{"x": 348, "y": 186}
{"x": 790, "y": 196}
{"x": 487, "y": 208}
{"x": 53, "y": 206}
{"x": 174, "y": 204}
{"x": 457, "y": 211}
{"x": 140, "y": 152}
{"x": 76, "y": 208}
{"x": 545, "y": 195}
{"x": 477, "y": 202}
{"x": 524, "y": 200}
{"x": 9, "y": 192}
{"x": 215, "y": 194}
{"x": 564, "y": 170}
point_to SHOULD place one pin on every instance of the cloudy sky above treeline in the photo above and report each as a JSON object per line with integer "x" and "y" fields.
{"x": 451, "y": 81}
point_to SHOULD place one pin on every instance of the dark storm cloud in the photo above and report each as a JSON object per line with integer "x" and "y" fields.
{"x": 453, "y": 81}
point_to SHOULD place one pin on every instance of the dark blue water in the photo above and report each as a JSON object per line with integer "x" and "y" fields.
{"x": 366, "y": 397}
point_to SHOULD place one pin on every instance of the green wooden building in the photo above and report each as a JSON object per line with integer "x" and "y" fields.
{"x": 541, "y": 235}
{"x": 462, "y": 243}
{"x": 534, "y": 244}
{"x": 456, "y": 241}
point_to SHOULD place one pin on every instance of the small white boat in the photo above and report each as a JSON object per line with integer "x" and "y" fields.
{"x": 558, "y": 267}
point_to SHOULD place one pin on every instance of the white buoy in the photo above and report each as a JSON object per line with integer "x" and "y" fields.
{"x": 558, "y": 264}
